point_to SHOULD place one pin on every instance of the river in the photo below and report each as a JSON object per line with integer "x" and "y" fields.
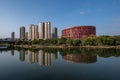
{"x": 60, "y": 64}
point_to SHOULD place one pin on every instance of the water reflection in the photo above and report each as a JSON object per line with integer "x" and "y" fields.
{"x": 12, "y": 52}
{"x": 44, "y": 56}
{"x": 22, "y": 55}
{"x": 52, "y": 64}
{"x": 78, "y": 58}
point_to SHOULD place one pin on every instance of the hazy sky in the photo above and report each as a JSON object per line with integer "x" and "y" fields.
{"x": 104, "y": 14}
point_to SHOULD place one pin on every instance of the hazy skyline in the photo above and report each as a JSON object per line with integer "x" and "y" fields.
{"x": 104, "y": 14}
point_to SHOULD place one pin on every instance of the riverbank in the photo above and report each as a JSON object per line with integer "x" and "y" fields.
{"x": 41, "y": 46}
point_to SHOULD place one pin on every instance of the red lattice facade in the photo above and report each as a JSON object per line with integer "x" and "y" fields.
{"x": 78, "y": 32}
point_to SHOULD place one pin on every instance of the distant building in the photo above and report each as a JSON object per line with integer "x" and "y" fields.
{"x": 45, "y": 30}
{"x": 41, "y": 30}
{"x": 26, "y": 36}
{"x": 78, "y": 32}
{"x": 22, "y": 33}
{"x": 13, "y": 35}
{"x": 30, "y": 32}
{"x": 54, "y": 32}
{"x": 33, "y": 32}
{"x": 36, "y": 34}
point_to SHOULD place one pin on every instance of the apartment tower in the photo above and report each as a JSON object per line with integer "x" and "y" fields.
{"x": 45, "y": 30}
{"x": 26, "y": 36}
{"x": 33, "y": 32}
{"x": 54, "y": 32}
{"x": 13, "y": 35}
{"x": 22, "y": 33}
{"x": 41, "y": 30}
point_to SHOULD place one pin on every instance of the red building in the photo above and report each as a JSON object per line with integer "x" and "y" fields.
{"x": 78, "y": 32}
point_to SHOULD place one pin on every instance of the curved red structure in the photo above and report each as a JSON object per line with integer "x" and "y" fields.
{"x": 78, "y": 32}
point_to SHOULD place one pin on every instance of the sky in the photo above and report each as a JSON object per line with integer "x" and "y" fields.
{"x": 104, "y": 14}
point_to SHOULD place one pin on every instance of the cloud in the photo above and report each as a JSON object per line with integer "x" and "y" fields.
{"x": 82, "y": 12}
{"x": 85, "y": 11}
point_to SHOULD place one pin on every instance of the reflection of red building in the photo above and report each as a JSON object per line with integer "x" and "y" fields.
{"x": 78, "y": 32}
{"x": 80, "y": 58}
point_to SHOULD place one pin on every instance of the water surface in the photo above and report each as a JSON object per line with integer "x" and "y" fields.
{"x": 60, "y": 64}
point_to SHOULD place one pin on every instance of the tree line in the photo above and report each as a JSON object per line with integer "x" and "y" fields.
{"x": 103, "y": 40}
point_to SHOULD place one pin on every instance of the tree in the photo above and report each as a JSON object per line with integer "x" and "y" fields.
{"x": 69, "y": 42}
{"x": 61, "y": 41}
{"x": 90, "y": 41}
{"x": 106, "y": 40}
{"x": 76, "y": 42}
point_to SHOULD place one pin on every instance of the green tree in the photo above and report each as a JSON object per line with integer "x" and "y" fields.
{"x": 90, "y": 41}
{"x": 76, "y": 42}
{"x": 106, "y": 40}
{"x": 69, "y": 42}
{"x": 61, "y": 41}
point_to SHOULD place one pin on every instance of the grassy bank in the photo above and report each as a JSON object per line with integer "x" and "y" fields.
{"x": 63, "y": 46}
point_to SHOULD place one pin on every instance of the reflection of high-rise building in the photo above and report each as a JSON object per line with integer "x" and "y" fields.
{"x": 80, "y": 58}
{"x": 22, "y": 33}
{"x": 47, "y": 59}
{"x": 31, "y": 56}
{"x": 40, "y": 57}
{"x": 13, "y": 35}
{"x": 54, "y": 32}
{"x": 44, "y": 58}
{"x": 22, "y": 55}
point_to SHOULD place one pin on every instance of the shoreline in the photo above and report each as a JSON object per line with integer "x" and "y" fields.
{"x": 94, "y": 47}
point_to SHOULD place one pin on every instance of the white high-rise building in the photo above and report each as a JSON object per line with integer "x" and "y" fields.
{"x": 36, "y": 32}
{"x": 41, "y": 30}
{"x": 33, "y": 32}
{"x": 49, "y": 30}
{"x": 46, "y": 30}
{"x": 30, "y": 32}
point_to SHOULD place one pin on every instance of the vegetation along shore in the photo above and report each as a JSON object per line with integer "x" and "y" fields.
{"x": 90, "y": 42}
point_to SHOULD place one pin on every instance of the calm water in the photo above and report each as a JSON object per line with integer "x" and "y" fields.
{"x": 53, "y": 64}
